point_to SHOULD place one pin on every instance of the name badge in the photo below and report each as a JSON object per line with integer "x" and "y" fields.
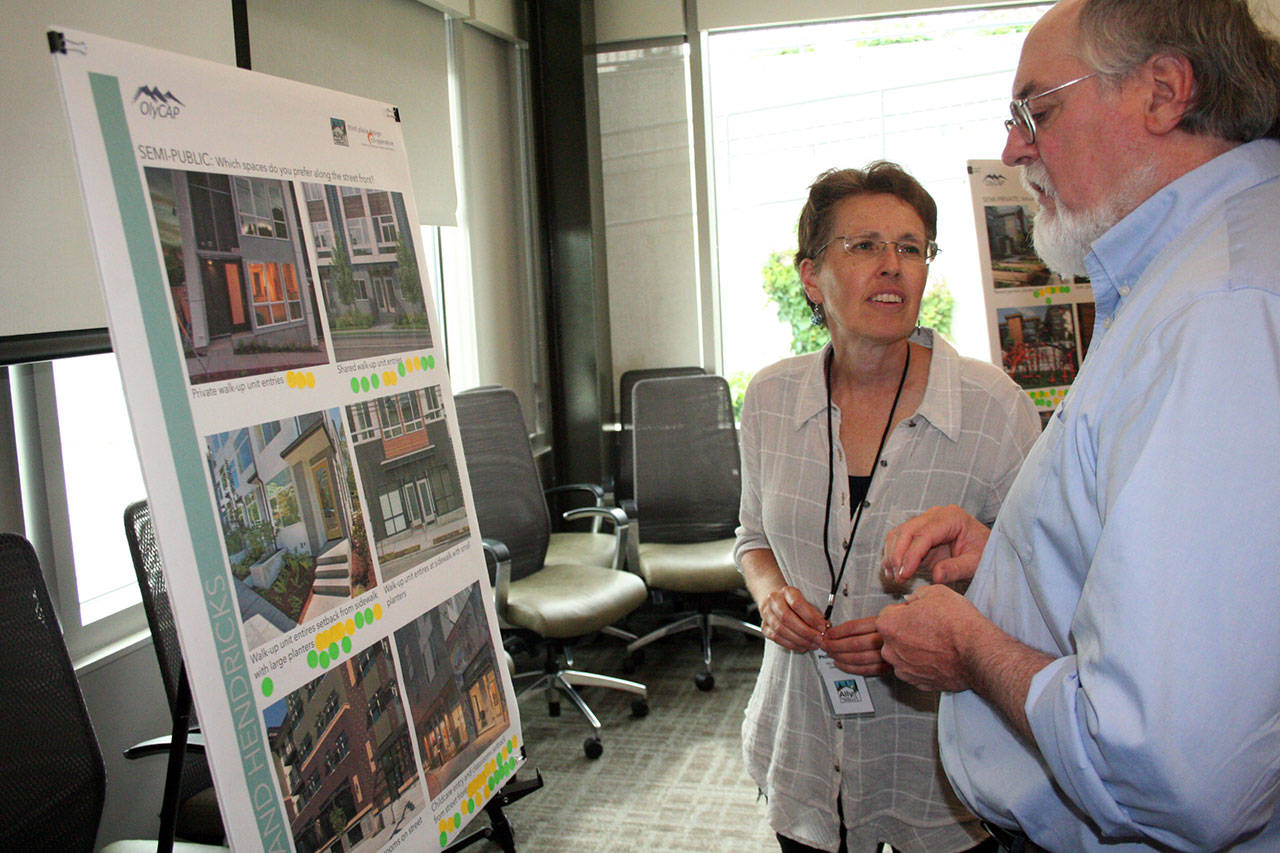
{"x": 847, "y": 694}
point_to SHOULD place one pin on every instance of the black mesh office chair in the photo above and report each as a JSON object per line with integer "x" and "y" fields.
{"x": 189, "y": 806}
{"x": 624, "y": 481}
{"x": 688, "y": 481}
{"x": 52, "y": 779}
{"x": 559, "y": 603}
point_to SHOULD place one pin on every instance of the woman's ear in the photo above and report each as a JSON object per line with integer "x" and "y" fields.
{"x": 808, "y": 280}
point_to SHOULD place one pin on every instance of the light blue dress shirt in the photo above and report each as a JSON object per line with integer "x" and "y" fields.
{"x": 1140, "y": 546}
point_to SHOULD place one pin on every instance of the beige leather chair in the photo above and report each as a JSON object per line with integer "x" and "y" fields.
{"x": 554, "y": 604}
{"x": 688, "y": 481}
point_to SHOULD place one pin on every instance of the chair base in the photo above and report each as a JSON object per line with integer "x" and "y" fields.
{"x": 556, "y": 681}
{"x": 703, "y": 621}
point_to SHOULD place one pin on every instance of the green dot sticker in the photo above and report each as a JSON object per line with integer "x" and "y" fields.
{"x": 364, "y": 383}
{"x": 400, "y": 368}
{"x": 346, "y": 645}
{"x": 333, "y": 650}
{"x": 359, "y": 618}
{"x": 373, "y": 380}
{"x": 312, "y": 658}
{"x": 368, "y": 615}
{"x": 444, "y": 840}
{"x": 355, "y": 385}
{"x": 324, "y": 660}
{"x": 268, "y": 686}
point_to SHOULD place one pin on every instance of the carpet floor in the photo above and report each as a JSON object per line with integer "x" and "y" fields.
{"x": 671, "y": 781}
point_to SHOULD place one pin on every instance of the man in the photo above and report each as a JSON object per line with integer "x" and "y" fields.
{"x": 1114, "y": 672}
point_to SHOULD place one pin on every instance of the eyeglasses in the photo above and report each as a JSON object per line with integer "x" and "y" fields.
{"x": 866, "y": 249}
{"x": 1022, "y": 117}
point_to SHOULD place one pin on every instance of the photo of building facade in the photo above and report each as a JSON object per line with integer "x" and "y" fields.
{"x": 407, "y": 469}
{"x": 238, "y": 275}
{"x": 368, "y": 270}
{"x": 343, "y": 758}
{"x": 452, "y": 686}
{"x": 291, "y": 520}
{"x": 1038, "y": 344}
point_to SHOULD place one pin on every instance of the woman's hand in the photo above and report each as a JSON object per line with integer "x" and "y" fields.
{"x": 855, "y": 647}
{"x": 791, "y": 621}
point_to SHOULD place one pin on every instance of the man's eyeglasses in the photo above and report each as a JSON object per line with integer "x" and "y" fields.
{"x": 866, "y": 249}
{"x": 1022, "y": 116}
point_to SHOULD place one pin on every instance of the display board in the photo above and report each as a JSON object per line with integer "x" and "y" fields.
{"x": 1039, "y": 323}
{"x": 261, "y": 259}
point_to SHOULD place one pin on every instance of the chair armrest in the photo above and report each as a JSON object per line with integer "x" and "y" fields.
{"x": 624, "y": 552}
{"x": 160, "y": 746}
{"x": 596, "y": 492}
{"x": 501, "y": 556}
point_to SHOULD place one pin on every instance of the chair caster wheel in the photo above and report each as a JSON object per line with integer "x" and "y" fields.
{"x": 639, "y": 708}
{"x": 705, "y": 681}
{"x": 593, "y": 747}
{"x": 632, "y": 662}
{"x": 553, "y": 709}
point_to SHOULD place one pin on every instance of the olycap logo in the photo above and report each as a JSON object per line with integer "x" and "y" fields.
{"x": 154, "y": 103}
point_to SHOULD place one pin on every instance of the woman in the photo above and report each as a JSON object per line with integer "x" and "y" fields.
{"x": 838, "y": 447}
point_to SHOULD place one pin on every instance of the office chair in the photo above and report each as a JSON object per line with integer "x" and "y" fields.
{"x": 189, "y": 806}
{"x": 624, "y": 482}
{"x": 52, "y": 779}
{"x": 556, "y": 604}
{"x": 688, "y": 482}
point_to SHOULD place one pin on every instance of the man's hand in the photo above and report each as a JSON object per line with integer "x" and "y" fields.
{"x": 924, "y": 638}
{"x": 945, "y": 541}
{"x": 938, "y": 640}
{"x": 854, "y": 646}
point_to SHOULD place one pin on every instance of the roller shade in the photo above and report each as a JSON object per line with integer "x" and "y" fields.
{"x": 389, "y": 50}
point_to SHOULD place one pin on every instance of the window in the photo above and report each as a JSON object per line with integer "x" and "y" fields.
{"x": 270, "y": 430}
{"x": 393, "y": 515}
{"x": 212, "y": 212}
{"x": 260, "y": 204}
{"x": 282, "y": 495}
{"x": 358, "y": 231}
{"x": 387, "y": 232}
{"x": 362, "y": 426}
{"x": 78, "y": 469}
{"x": 244, "y": 453}
{"x": 930, "y": 92}
{"x": 275, "y": 294}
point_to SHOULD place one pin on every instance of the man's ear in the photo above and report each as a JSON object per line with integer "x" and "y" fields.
{"x": 1172, "y": 88}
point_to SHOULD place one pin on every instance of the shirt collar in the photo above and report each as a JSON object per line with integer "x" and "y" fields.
{"x": 1119, "y": 257}
{"x": 941, "y": 403}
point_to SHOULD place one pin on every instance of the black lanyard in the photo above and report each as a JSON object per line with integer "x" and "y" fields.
{"x": 831, "y": 476}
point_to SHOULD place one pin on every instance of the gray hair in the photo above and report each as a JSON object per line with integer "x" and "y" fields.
{"x": 1236, "y": 64}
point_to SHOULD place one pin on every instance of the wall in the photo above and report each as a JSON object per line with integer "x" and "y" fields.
{"x": 49, "y": 280}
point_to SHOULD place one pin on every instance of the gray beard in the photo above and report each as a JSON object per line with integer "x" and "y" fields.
{"x": 1063, "y": 237}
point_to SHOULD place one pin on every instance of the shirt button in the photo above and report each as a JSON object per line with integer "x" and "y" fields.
{"x": 1106, "y": 324}
{"x": 835, "y": 767}
{"x": 911, "y": 423}
{"x": 839, "y": 724}
{"x": 884, "y": 463}
{"x": 866, "y": 504}
{"x": 1124, "y": 290}
{"x": 844, "y": 544}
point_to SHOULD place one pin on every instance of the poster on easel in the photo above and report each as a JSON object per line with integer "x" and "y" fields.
{"x": 1039, "y": 324}
{"x": 260, "y": 256}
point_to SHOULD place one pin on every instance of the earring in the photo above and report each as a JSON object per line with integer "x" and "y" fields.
{"x": 818, "y": 318}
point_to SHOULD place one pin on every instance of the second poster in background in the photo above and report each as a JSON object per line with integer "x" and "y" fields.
{"x": 1040, "y": 324}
